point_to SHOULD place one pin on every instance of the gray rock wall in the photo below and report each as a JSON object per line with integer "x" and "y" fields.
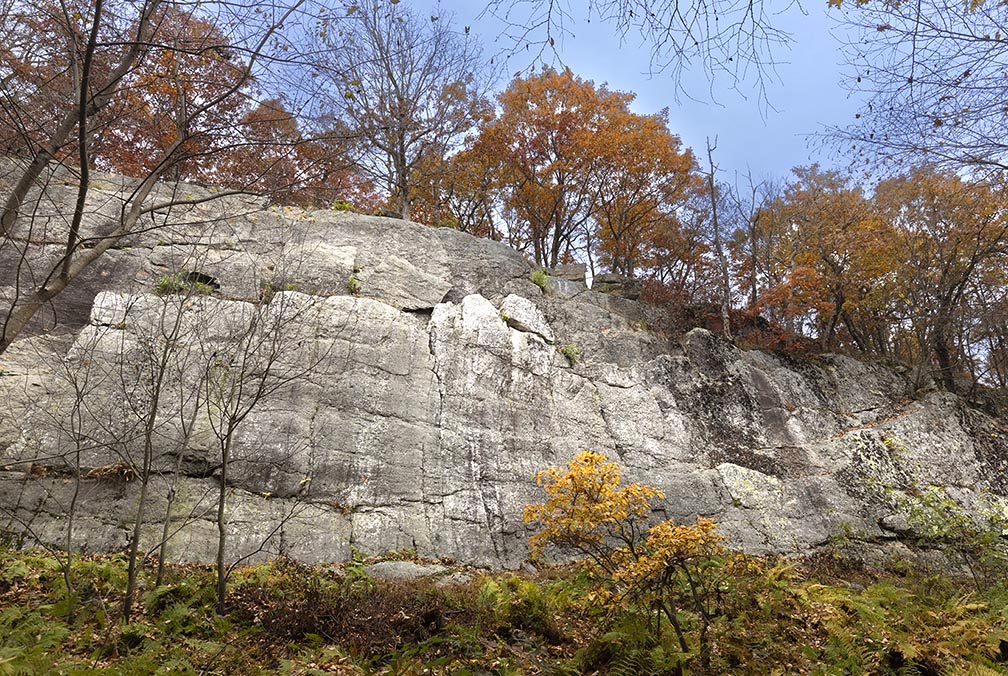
{"x": 414, "y": 415}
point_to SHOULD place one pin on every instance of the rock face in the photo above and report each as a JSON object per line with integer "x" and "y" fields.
{"x": 414, "y": 414}
{"x": 611, "y": 282}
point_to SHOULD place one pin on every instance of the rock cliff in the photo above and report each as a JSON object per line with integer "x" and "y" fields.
{"x": 414, "y": 413}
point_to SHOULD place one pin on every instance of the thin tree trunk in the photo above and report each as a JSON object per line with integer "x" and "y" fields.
{"x": 753, "y": 288}
{"x": 718, "y": 249}
{"x": 148, "y": 452}
{"x": 131, "y": 583}
{"x": 68, "y": 543}
{"x": 222, "y": 526}
{"x": 172, "y": 493}
{"x": 21, "y": 313}
{"x": 859, "y": 340}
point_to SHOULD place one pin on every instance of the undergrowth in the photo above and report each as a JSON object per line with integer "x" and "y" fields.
{"x": 293, "y": 619}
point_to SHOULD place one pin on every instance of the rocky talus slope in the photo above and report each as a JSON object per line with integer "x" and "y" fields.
{"x": 414, "y": 413}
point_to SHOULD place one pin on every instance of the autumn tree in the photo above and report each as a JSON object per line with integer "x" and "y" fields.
{"x": 680, "y": 269}
{"x": 191, "y": 62}
{"x": 276, "y": 156}
{"x": 672, "y": 572}
{"x": 821, "y": 259}
{"x": 461, "y": 191}
{"x": 548, "y": 142}
{"x": 913, "y": 273}
{"x": 643, "y": 177}
{"x": 148, "y": 83}
{"x": 748, "y": 202}
{"x": 951, "y": 239}
{"x": 842, "y": 248}
{"x": 412, "y": 86}
{"x": 988, "y": 332}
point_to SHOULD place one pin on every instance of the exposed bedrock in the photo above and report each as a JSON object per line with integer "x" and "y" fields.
{"x": 414, "y": 414}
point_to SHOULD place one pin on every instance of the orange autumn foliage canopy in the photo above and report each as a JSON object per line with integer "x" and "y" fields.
{"x": 589, "y": 510}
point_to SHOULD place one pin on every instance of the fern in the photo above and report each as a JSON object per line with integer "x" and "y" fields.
{"x": 633, "y": 662}
{"x": 30, "y": 643}
{"x": 977, "y": 670}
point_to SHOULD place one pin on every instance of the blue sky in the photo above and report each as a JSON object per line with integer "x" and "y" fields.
{"x": 806, "y": 94}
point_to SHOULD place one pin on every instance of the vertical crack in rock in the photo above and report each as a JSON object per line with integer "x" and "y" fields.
{"x": 438, "y": 382}
{"x": 482, "y": 486}
{"x": 599, "y": 399}
{"x": 436, "y": 372}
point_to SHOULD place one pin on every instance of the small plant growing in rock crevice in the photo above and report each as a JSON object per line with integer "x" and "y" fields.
{"x": 572, "y": 352}
{"x": 268, "y": 289}
{"x": 178, "y": 283}
{"x": 353, "y": 285}
{"x": 342, "y": 205}
{"x": 539, "y": 278}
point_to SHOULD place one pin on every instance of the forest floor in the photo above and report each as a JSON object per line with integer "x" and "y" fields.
{"x": 826, "y": 615}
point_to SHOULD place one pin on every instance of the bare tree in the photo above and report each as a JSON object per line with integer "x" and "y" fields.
{"x": 265, "y": 352}
{"x": 934, "y": 77}
{"x": 410, "y": 85}
{"x": 160, "y": 356}
{"x": 722, "y": 260}
{"x": 58, "y": 441}
{"x": 747, "y": 201}
{"x": 730, "y": 39}
{"x": 77, "y": 374}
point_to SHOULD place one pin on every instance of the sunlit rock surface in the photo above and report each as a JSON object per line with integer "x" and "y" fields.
{"x": 414, "y": 414}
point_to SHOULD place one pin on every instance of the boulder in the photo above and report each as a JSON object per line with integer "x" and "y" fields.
{"x": 400, "y": 571}
{"x": 617, "y": 284}
{"x": 571, "y": 272}
{"x": 523, "y": 315}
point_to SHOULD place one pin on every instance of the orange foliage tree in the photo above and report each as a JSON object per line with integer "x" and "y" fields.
{"x": 672, "y": 572}
{"x": 44, "y": 48}
{"x": 952, "y": 244}
{"x": 914, "y": 273}
{"x": 839, "y": 263}
{"x": 644, "y": 176}
{"x": 184, "y": 109}
{"x": 582, "y": 172}
{"x": 461, "y": 191}
{"x": 276, "y": 157}
{"x": 548, "y": 142}
{"x": 162, "y": 109}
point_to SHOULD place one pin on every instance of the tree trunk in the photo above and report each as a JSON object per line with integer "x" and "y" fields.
{"x": 68, "y": 542}
{"x": 173, "y": 492}
{"x": 21, "y": 313}
{"x": 718, "y": 249}
{"x": 222, "y": 526}
{"x": 131, "y": 582}
{"x": 148, "y": 452}
{"x": 753, "y": 289}
{"x": 946, "y": 371}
